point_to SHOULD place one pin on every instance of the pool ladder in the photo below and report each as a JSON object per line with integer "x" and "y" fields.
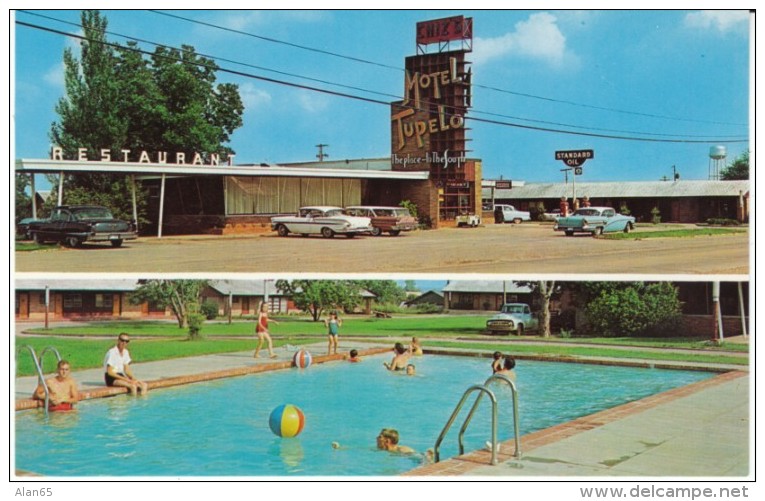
{"x": 483, "y": 390}
{"x": 38, "y": 365}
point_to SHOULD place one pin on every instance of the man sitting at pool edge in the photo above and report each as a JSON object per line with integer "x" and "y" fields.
{"x": 117, "y": 370}
{"x": 387, "y": 440}
{"x": 62, "y": 389}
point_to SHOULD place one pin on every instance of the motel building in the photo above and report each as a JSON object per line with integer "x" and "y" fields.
{"x": 429, "y": 165}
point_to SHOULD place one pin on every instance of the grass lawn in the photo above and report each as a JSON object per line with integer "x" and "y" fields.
{"x": 84, "y": 346}
{"x": 683, "y": 233}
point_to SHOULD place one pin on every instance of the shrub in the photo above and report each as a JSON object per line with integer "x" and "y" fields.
{"x": 209, "y": 309}
{"x": 634, "y": 309}
{"x": 655, "y": 215}
{"x": 195, "y": 321}
{"x": 722, "y": 221}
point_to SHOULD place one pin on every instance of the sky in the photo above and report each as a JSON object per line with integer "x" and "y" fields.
{"x": 675, "y": 83}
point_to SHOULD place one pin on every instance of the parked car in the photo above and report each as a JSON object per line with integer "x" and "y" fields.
{"x": 392, "y": 220}
{"x": 22, "y": 227}
{"x": 321, "y": 220}
{"x": 471, "y": 220}
{"x": 75, "y": 224}
{"x": 595, "y": 220}
{"x": 515, "y": 318}
{"x": 552, "y": 215}
{"x": 511, "y": 214}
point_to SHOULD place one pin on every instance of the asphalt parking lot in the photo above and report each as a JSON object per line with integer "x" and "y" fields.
{"x": 528, "y": 248}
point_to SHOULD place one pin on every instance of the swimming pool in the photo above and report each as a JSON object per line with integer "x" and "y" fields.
{"x": 221, "y": 428}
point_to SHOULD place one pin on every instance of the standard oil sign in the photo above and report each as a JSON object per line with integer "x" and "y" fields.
{"x": 574, "y": 158}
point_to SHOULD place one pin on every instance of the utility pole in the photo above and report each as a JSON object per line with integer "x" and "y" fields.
{"x": 321, "y": 155}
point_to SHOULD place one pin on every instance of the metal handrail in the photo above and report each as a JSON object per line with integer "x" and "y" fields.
{"x": 38, "y": 365}
{"x": 457, "y": 409}
{"x": 516, "y": 421}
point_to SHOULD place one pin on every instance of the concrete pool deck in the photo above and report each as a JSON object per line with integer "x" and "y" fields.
{"x": 699, "y": 430}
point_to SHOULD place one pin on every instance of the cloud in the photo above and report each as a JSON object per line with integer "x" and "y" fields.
{"x": 55, "y": 75}
{"x": 312, "y": 102}
{"x": 244, "y": 20}
{"x": 723, "y": 20}
{"x": 538, "y": 38}
{"x": 252, "y": 97}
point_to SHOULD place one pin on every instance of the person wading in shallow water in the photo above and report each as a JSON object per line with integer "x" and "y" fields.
{"x": 62, "y": 389}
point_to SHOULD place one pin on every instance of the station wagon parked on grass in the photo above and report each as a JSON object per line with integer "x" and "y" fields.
{"x": 75, "y": 224}
{"x": 515, "y": 318}
{"x": 595, "y": 220}
{"x": 392, "y": 220}
{"x": 321, "y": 220}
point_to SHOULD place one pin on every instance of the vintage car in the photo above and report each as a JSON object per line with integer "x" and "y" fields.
{"x": 594, "y": 220}
{"x": 510, "y": 214}
{"x": 321, "y": 220}
{"x": 514, "y": 318}
{"x": 75, "y": 224}
{"x": 392, "y": 220}
{"x": 552, "y": 215}
{"x": 22, "y": 227}
{"x": 468, "y": 219}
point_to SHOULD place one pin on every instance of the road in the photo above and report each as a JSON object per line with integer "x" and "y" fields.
{"x": 526, "y": 249}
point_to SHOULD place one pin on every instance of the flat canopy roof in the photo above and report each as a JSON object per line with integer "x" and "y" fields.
{"x": 149, "y": 170}
{"x": 632, "y": 189}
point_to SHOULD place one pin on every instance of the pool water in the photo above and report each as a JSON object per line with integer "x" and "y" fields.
{"x": 221, "y": 428}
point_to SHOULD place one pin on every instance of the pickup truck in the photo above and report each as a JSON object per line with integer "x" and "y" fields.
{"x": 515, "y": 318}
{"x": 511, "y": 214}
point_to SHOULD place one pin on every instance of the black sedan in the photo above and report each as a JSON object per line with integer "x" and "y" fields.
{"x": 75, "y": 224}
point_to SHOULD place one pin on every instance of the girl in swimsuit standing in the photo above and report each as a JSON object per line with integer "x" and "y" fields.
{"x": 333, "y": 329}
{"x": 261, "y": 329}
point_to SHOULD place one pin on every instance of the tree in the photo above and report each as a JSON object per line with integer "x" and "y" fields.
{"x": 615, "y": 309}
{"x": 387, "y": 291}
{"x": 411, "y": 286}
{"x": 738, "y": 169}
{"x": 180, "y": 295}
{"x": 545, "y": 290}
{"x": 315, "y": 296}
{"x": 117, "y": 99}
{"x": 23, "y": 201}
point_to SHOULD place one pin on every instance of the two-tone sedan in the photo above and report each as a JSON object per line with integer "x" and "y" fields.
{"x": 595, "y": 221}
{"x": 321, "y": 220}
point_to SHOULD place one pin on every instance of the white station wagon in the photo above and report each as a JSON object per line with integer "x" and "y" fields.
{"x": 321, "y": 220}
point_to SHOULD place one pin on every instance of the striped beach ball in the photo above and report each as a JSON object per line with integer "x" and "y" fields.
{"x": 302, "y": 359}
{"x": 287, "y": 421}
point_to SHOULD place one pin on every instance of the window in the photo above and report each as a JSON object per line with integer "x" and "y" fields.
{"x": 104, "y": 301}
{"x": 72, "y": 301}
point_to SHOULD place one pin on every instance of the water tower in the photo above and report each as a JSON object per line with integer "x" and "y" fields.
{"x": 717, "y": 156}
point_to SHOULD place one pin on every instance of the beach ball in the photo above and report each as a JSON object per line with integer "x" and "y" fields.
{"x": 302, "y": 359}
{"x": 286, "y": 421}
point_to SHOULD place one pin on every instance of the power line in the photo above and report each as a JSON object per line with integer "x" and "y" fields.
{"x": 487, "y": 87}
{"x": 335, "y": 84}
{"x": 215, "y": 67}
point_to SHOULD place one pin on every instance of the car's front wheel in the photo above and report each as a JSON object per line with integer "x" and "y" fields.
{"x": 517, "y": 220}
{"x": 37, "y": 238}
{"x": 598, "y": 231}
{"x": 376, "y": 232}
{"x": 627, "y": 228}
{"x": 520, "y": 330}
{"x": 73, "y": 242}
{"x": 282, "y": 230}
{"x": 327, "y": 232}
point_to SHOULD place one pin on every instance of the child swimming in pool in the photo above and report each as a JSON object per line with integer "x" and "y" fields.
{"x": 353, "y": 356}
{"x": 388, "y": 439}
{"x": 400, "y": 358}
{"x": 508, "y": 368}
{"x": 415, "y": 348}
{"x": 496, "y": 364}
